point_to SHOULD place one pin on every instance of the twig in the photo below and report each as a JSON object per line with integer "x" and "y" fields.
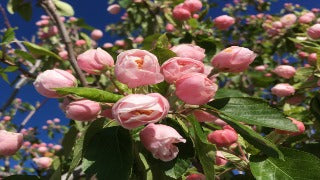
{"x": 31, "y": 113}
{"x": 23, "y": 71}
{"x": 52, "y": 12}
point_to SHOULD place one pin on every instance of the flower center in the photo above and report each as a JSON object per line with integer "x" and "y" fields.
{"x": 228, "y": 50}
{"x": 139, "y": 112}
{"x": 139, "y": 63}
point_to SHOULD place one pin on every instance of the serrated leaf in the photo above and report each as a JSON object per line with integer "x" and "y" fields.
{"x": 163, "y": 54}
{"x": 38, "y": 50}
{"x": 8, "y": 36}
{"x": 110, "y": 150}
{"x": 297, "y": 165}
{"x": 90, "y": 93}
{"x": 226, "y": 93}
{"x": 163, "y": 42}
{"x": 64, "y": 8}
{"x": 179, "y": 168}
{"x": 253, "y": 111}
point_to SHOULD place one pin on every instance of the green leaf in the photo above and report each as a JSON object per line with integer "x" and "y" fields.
{"x": 10, "y": 69}
{"x": 81, "y": 23}
{"x": 253, "y": 137}
{"x": 90, "y": 93}
{"x": 21, "y": 177}
{"x": 68, "y": 140}
{"x": 205, "y": 151}
{"x": 125, "y": 3}
{"x": 23, "y": 8}
{"x": 315, "y": 106}
{"x": 179, "y": 168}
{"x": 297, "y": 165}
{"x": 38, "y": 50}
{"x": 24, "y": 55}
{"x": 150, "y": 41}
{"x": 8, "y": 36}
{"x": 226, "y": 92}
{"x": 163, "y": 42}
{"x": 64, "y": 9}
{"x": 163, "y": 54}
{"x": 253, "y": 111}
{"x": 4, "y": 77}
{"x": 110, "y": 153}
{"x": 303, "y": 74}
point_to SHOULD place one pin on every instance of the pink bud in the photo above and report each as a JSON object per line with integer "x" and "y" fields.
{"x": 10, "y": 142}
{"x": 50, "y": 145}
{"x": 314, "y": 31}
{"x": 307, "y": 18}
{"x": 223, "y": 138}
{"x": 303, "y": 54}
{"x": 95, "y": 61}
{"x": 133, "y": 66}
{"x": 260, "y": 68}
{"x": 113, "y": 9}
{"x": 43, "y": 144}
{"x": 55, "y": 78}
{"x": 277, "y": 25}
{"x": 42, "y": 150}
{"x": 49, "y": 122}
{"x": 138, "y": 109}
{"x": 83, "y": 110}
{"x": 138, "y": 39}
{"x": 176, "y": 67}
{"x": 195, "y": 16}
{"x": 80, "y": 42}
{"x": 193, "y": 5}
{"x": 120, "y": 43}
{"x": 107, "y": 45}
{"x": 299, "y": 125}
{"x": 285, "y": 71}
{"x": 220, "y": 159}
{"x": 96, "y": 34}
{"x": 195, "y": 88}
{"x": 44, "y": 17}
{"x": 189, "y": 51}
{"x": 170, "y": 27}
{"x": 312, "y": 59}
{"x": 181, "y": 13}
{"x": 159, "y": 139}
{"x": 233, "y": 59}
{"x": 63, "y": 54}
{"x": 73, "y": 19}
{"x": 57, "y": 147}
{"x": 283, "y": 89}
{"x": 56, "y": 120}
{"x": 288, "y": 20}
{"x": 197, "y": 176}
{"x": 6, "y": 118}
{"x": 44, "y": 127}
{"x": 43, "y": 162}
{"x": 26, "y": 144}
{"x": 224, "y": 22}
{"x": 53, "y": 30}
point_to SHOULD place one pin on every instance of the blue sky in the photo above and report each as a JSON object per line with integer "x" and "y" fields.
{"x": 95, "y": 14}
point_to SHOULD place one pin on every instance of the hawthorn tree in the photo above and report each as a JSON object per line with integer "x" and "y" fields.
{"x": 181, "y": 96}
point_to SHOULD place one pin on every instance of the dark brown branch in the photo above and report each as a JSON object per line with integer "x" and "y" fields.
{"x": 50, "y": 8}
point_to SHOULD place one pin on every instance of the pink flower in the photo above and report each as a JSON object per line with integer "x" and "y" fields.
{"x": 159, "y": 139}
{"x": 63, "y": 54}
{"x": 307, "y": 18}
{"x": 314, "y": 31}
{"x": 137, "y": 67}
{"x": 176, "y": 67}
{"x": 193, "y": 5}
{"x": 220, "y": 159}
{"x": 203, "y": 116}
{"x": 303, "y": 54}
{"x": 56, "y": 120}
{"x": 138, "y": 109}
{"x": 189, "y": 51}
{"x": 55, "y": 78}
{"x": 43, "y": 162}
{"x": 57, "y": 147}
{"x": 181, "y": 13}
{"x": 233, "y": 59}
{"x": 113, "y": 9}
{"x": 10, "y": 142}
{"x": 96, "y": 34}
{"x": 120, "y": 43}
{"x": 42, "y": 150}
{"x": 6, "y": 118}
{"x": 197, "y": 176}
{"x": 95, "y": 61}
{"x": 277, "y": 25}
{"x": 107, "y": 45}
{"x": 288, "y": 20}
{"x": 224, "y": 22}
{"x": 223, "y": 138}
{"x": 170, "y": 27}
{"x": 312, "y": 59}
{"x": 299, "y": 125}
{"x": 83, "y": 110}
{"x": 195, "y": 88}
{"x": 285, "y": 71}
{"x": 80, "y": 42}
{"x": 282, "y": 90}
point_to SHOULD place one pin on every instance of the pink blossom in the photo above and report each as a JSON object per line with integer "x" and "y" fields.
{"x": 43, "y": 162}
{"x": 193, "y": 5}
{"x": 96, "y": 34}
{"x": 170, "y": 27}
{"x": 138, "y": 109}
{"x": 189, "y": 51}
{"x": 107, "y": 45}
{"x": 285, "y": 71}
{"x": 80, "y": 42}
{"x": 83, "y": 110}
{"x": 307, "y": 18}
{"x": 314, "y": 31}
{"x": 288, "y": 20}
{"x": 197, "y": 176}
{"x": 64, "y": 55}
{"x": 223, "y": 138}
{"x": 224, "y": 22}
{"x": 159, "y": 139}
{"x": 220, "y": 159}
{"x": 283, "y": 89}
{"x": 10, "y": 142}
{"x": 113, "y": 9}
{"x": 181, "y": 13}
